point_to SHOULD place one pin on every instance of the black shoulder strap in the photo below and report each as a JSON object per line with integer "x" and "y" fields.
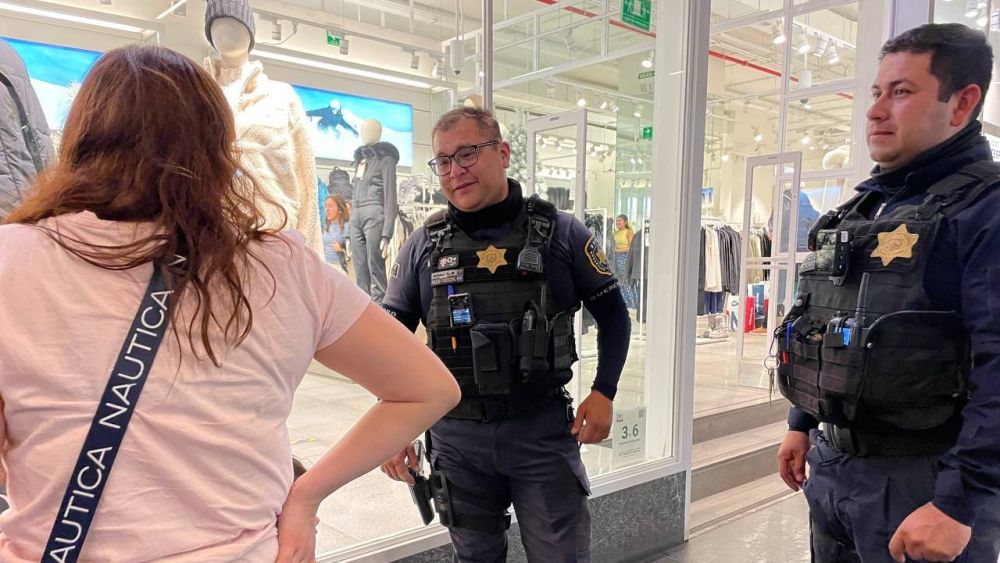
{"x": 34, "y": 147}
{"x": 833, "y": 217}
{"x": 104, "y": 439}
{"x": 965, "y": 185}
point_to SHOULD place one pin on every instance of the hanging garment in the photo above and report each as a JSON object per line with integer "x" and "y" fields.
{"x": 25, "y": 142}
{"x": 272, "y": 132}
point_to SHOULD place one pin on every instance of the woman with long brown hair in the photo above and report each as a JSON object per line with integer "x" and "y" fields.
{"x": 147, "y": 174}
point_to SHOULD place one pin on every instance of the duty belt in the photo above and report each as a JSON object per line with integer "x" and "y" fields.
{"x": 504, "y": 407}
{"x": 897, "y": 444}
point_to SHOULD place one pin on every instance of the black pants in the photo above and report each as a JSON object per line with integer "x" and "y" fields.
{"x": 856, "y": 504}
{"x": 366, "y": 234}
{"x": 532, "y": 462}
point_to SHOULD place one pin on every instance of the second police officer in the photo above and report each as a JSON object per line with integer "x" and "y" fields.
{"x": 892, "y": 346}
{"x": 496, "y": 279}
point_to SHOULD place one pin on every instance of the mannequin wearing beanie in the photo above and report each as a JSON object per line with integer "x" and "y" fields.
{"x": 373, "y": 217}
{"x": 272, "y": 129}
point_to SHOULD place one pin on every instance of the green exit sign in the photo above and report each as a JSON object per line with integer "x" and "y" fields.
{"x": 647, "y": 74}
{"x": 332, "y": 39}
{"x": 647, "y": 133}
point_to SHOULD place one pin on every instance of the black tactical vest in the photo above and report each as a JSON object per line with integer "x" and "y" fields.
{"x": 891, "y": 361}
{"x": 493, "y": 321}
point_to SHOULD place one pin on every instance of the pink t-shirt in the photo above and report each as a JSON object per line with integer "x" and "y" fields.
{"x": 205, "y": 465}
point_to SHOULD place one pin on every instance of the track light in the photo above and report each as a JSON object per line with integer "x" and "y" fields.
{"x": 824, "y": 44}
{"x": 833, "y": 58}
{"x": 276, "y": 31}
{"x": 614, "y": 107}
{"x": 581, "y": 101}
{"x": 805, "y": 46}
{"x": 604, "y": 103}
{"x": 725, "y": 157}
{"x": 805, "y": 139}
{"x": 414, "y": 60}
{"x": 648, "y": 61}
{"x": 779, "y": 35}
{"x": 345, "y": 47}
{"x": 757, "y": 135}
{"x": 638, "y": 111}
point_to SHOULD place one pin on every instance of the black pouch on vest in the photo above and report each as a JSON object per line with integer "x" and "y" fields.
{"x": 534, "y": 341}
{"x": 492, "y": 357}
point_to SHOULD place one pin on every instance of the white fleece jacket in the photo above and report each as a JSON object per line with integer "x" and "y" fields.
{"x": 272, "y": 131}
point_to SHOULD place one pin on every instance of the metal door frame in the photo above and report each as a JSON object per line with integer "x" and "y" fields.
{"x": 778, "y": 261}
{"x": 578, "y": 119}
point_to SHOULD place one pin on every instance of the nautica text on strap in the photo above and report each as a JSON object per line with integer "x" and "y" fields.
{"x": 109, "y": 425}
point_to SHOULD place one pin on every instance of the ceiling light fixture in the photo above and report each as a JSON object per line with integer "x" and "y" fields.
{"x": 638, "y": 111}
{"x": 779, "y": 35}
{"x": 69, "y": 17}
{"x": 604, "y": 103}
{"x": 581, "y": 100}
{"x": 971, "y": 8}
{"x": 805, "y": 46}
{"x": 757, "y": 135}
{"x": 833, "y": 57}
{"x": 414, "y": 61}
{"x": 345, "y": 48}
{"x": 276, "y": 30}
{"x": 725, "y": 157}
{"x": 363, "y": 73}
{"x": 648, "y": 61}
{"x": 805, "y": 139}
{"x": 982, "y": 20}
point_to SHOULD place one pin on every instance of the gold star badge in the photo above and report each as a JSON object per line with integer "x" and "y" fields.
{"x": 492, "y": 258}
{"x": 895, "y": 244}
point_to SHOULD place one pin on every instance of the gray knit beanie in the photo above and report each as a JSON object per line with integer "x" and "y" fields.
{"x": 236, "y": 9}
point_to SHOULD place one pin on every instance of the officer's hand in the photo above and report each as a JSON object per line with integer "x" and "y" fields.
{"x": 929, "y": 534}
{"x": 593, "y": 419}
{"x": 792, "y": 459}
{"x": 383, "y": 247}
{"x": 396, "y": 467}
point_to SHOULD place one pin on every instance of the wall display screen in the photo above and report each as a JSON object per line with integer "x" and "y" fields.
{"x": 336, "y": 123}
{"x": 56, "y": 73}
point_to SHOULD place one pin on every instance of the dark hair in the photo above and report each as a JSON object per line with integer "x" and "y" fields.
{"x": 960, "y": 56}
{"x": 341, "y": 204}
{"x": 484, "y": 118}
{"x": 150, "y": 137}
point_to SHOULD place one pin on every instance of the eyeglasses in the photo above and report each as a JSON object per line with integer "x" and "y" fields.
{"x": 465, "y": 157}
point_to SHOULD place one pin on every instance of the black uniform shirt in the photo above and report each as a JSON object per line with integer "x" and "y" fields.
{"x": 577, "y": 270}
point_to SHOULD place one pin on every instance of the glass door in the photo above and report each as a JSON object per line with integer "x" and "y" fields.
{"x": 767, "y": 259}
{"x": 557, "y": 169}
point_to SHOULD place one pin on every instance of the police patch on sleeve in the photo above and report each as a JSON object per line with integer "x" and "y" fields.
{"x": 395, "y": 270}
{"x": 595, "y": 254}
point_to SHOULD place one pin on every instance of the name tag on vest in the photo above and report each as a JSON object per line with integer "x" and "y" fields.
{"x": 447, "y": 277}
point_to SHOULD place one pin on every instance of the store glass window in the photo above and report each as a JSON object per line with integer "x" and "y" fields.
{"x": 821, "y": 128}
{"x": 723, "y": 10}
{"x": 824, "y": 46}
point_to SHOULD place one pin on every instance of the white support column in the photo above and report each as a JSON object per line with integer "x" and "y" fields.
{"x": 908, "y": 14}
{"x": 681, "y": 83}
{"x": 487, "y": 54}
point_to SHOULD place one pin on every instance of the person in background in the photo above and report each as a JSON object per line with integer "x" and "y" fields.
{"x": 203, "y": 472}
{"x": 335, "y": 230}
{"x": 623, "y": 236}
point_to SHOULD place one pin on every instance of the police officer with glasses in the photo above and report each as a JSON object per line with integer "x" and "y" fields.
{"x": 496, "y": 279}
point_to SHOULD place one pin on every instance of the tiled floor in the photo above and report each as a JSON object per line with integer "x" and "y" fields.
{"x": 778, "y": 533}
{"x": 373, "y": 506}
